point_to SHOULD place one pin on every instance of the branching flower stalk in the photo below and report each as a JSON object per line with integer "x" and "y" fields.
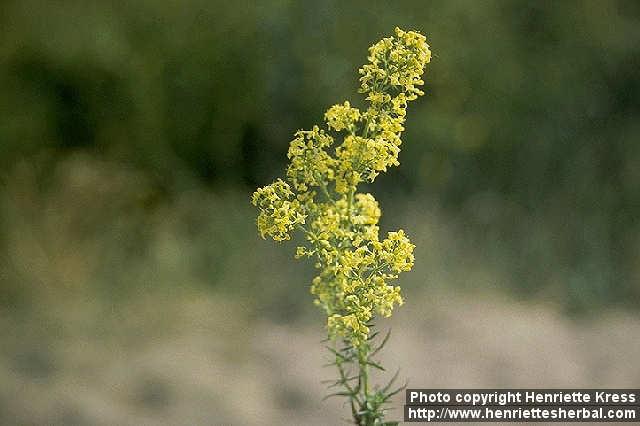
{"x": 340, "y": 226}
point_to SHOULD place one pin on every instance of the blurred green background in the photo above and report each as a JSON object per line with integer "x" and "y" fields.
{"x": 133, "y": 286}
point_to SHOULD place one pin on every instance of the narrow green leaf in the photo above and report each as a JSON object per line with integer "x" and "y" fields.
{"x": 381, "y": 345}
{"x": 373, "y": 335}
{"x": 335, "y": 352}
{"x": 390, "y": 383}
{"x": 338, "y": 394}
{"x": 376, "y": 365}
{"x": 390, "y": 394}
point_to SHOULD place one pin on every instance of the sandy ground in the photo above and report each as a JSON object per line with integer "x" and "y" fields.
{"x": 195, "y": 358}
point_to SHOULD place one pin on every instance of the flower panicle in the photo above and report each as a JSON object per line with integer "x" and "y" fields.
{"x": 319, "y": 196}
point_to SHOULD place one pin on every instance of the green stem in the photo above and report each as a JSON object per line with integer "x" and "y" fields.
{"x": 365, "y": 377}
{"x": 364, "y": 381}
{"x": 325, "y": 191}
{"x": 350, "y": 203}
{"x": 323, "y": 186}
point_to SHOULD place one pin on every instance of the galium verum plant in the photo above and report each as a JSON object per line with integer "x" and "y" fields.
{"x": 319, "y": 198}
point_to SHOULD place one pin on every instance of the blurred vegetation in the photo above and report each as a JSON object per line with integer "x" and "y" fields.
{"x": 527, "y": 140}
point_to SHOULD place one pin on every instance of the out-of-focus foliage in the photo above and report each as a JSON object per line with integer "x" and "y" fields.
{"x": 528, "y": 135}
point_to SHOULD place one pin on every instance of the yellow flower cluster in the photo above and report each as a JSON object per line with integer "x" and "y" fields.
{"x": 396, "y": 64}
{"x": 341, "y": 117}
{"x": 341, "y": 226}
{"x": 278, "y": 213}
{"x": 310, "y": 162}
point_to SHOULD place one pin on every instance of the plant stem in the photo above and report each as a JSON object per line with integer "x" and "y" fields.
{"x": 363, "y": 361}
{"x": 363, "y": 418}
{"x": 323, "y": 186}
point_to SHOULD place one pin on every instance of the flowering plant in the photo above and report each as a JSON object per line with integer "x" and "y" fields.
{"x": 319, "y": 198}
